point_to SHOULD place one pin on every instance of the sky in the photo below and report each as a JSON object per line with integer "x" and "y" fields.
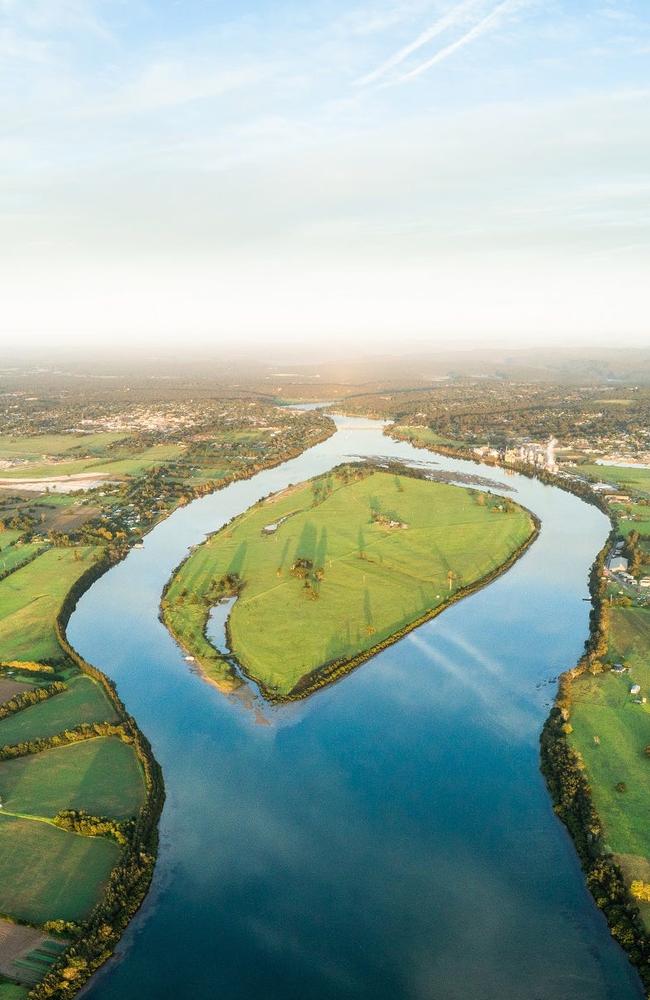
{"x": 381, "y": 172}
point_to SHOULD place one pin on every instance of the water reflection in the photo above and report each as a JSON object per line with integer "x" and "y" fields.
{"x": 390, "y": 838}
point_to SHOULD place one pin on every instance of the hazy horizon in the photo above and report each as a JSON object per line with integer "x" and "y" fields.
{"x": 383, "y": 174}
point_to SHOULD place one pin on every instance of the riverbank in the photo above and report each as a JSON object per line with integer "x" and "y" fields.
{"x": 89, "y": 942}
{"x": 562, "y": 766}
{"x": 564, "y": 770}
{"x": 93, "y": 939}
{"x": 345, "y": 819}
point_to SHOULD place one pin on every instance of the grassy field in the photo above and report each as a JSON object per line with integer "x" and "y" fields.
{"x": 102, "y": 776}
{"x": 426, "y": 438}
{"x": 8, "y": 537}
{"x": 118, "y": 462}
{"x": 11, "y": 991}
{"x": 84, "y": 701}
{"x": 635, "y": 479}
{"x": 30, "y": 599}
{"x": 15, "y": 556}
{"x": 368, "y": 579}
{"x": 616, "y": 763}
{"x": 47, "y": 873}
{"x": 36, "y": 446}
{"x": 632, "y": 517}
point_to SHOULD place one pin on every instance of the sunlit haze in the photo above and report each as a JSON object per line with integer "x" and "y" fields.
{"x": 378, "y": 173}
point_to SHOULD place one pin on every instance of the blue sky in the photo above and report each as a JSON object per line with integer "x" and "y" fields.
{"x": 473, "y": 170}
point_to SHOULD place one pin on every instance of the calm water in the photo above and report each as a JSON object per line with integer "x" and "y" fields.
{"x": 389, "y": 839}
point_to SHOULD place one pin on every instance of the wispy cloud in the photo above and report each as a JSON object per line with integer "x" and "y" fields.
{"x": 457, "y": 17}
{"x": 451, "y": 19}
{"x": 486, "y": 24}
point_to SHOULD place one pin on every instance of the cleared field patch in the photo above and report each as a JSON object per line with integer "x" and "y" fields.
{"x": 30, "y": 599}
{"x": 47, "y": 873}
{"x": 328, "y": 569}
{"x": 66, "y": 517}
{"x": 102, "y": 776}
{"x": 9, "y": 688}
{"x": 84, "y": 701}
{"x": 25, "y": 952}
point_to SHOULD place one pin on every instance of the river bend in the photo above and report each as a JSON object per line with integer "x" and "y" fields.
{"x": 391, "y": 838}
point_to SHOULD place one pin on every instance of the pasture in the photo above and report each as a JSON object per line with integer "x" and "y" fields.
{"x": 31, "y": 598}
{"x": 424, "y": 437}
{"x": 14, "y": 557}
{"x": 635, "y": 479}
{"x": 102, "y": 776}
{"x": 356, "y": 556}
{"x": 47, "y": 873}
{"x": 38, "y": 446}
{"x": 118, "y": 462}
{"x": 84, "y": 701}
{"x": 7, "y": 537}
{"x": 611, "y": 733}
{"x": 12, "y": 991}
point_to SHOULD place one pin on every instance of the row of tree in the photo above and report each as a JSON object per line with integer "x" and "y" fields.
{"x": 31, "y": 697}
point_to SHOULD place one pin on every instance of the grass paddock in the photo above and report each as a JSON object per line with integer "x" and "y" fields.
{"x": 384, "y": 550}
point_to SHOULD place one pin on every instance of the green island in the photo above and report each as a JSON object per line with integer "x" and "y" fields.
{"x": 328, "y": 572}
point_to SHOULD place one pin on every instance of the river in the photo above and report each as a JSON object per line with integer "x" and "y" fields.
{"x": 390, "y": 838}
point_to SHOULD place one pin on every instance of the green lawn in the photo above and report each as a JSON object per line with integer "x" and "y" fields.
{"x": 376, "y": 579}
{"x": 47, "y": 873}
{"x": 30, "y": 599}
{"x": 635, "y": 480}
{"x": 84, "y": 701}
{"x": 102, "y": 776}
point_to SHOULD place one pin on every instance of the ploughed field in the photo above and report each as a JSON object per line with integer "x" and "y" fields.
{"x": 329, "y": 569}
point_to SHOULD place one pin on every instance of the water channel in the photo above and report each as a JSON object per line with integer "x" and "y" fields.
{"x": 390, "y": 838}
